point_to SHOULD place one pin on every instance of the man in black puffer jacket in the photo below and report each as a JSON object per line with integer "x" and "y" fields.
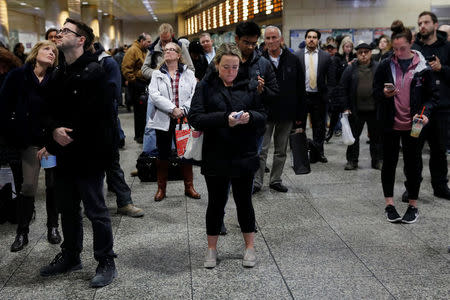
{"x": 84, "y": 133}
{"x": 436, "y": 49}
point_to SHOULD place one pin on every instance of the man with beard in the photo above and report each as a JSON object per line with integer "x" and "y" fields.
{"x": 319, "y": 82}
{"x": 84, "y": 132}
{"x": 436, "y": 50}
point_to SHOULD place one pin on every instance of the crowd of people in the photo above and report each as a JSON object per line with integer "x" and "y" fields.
{"x": 62, "y": 104}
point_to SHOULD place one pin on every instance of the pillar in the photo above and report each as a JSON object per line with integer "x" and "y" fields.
{"x": 107, "y": 32}
{"x": 56, "y": 12}
{"x": 119, "y": 32}
{"x": 89, "y": 16}
{"x": 4, "y": 27}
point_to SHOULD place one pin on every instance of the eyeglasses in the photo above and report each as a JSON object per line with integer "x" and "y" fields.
{"x": 66, "y": 30}
{"x": 249, "y": 44}
{"x": 170, "y": 49}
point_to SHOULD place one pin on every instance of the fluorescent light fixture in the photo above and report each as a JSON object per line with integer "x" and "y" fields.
{"x": 149, "y": 8}
{"x": 84, "y": 3}
{"x": 37, "y": 8}
{"x": 100, "y": 11}
{"x": 105, "y": 14}
{"x": 22, "y": 3}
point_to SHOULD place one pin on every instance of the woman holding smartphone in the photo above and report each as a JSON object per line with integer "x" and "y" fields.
{"x": 229, "y": 114}
{"x": 403, "y": 88}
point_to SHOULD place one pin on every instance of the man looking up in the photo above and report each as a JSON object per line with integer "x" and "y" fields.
{"x": 84, "y": 132}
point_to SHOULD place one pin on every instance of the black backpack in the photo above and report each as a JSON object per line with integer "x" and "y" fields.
{"x": 146, "y": 166}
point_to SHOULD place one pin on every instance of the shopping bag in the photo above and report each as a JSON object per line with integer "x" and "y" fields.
{"x": 182, "y": 133}
{"x": 299, "y": 147}
{"x": 194, "y": 146}
{"x": 347, "y": 136}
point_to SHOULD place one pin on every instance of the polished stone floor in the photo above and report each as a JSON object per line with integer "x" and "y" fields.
{"x": 327, "y": 238}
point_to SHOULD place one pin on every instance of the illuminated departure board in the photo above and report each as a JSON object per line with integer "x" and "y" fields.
{"x": 229, "y": 12}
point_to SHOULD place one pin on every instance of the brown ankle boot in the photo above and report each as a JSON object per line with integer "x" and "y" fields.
{"x": 162, "y": 170}
{"x": 188, "y": 176}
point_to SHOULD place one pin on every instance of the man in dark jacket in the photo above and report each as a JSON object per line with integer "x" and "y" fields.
{"x": 114, "y": 174}
{"x": 356, "y": 91}
{"x": 436, "y": 50}
{"x": 84, "y": 132}
{"x": 319, "y": 83}
{"x": 282, "y": 109}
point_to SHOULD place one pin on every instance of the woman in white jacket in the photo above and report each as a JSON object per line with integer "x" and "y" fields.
{"x": 171, "y": 89}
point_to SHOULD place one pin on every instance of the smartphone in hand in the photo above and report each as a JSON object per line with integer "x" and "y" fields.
{"x": 389, "y": 86}
{"x": 238, "y": 114}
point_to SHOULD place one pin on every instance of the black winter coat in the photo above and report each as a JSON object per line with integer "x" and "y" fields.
{"x": 339, "y": 65}
{"x": 348, "y": 87}
{"x": 441, "y": 49}
{"x": 227, "y": 151}
{"x": 289, "y": 104}
{"x": 81, "y": 101}
{"x": 423, "y": 92}
{"x": 24, "y": 97}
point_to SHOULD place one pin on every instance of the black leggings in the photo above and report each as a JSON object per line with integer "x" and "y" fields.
{"x": 164, "y": 140}
{"x": 411, "y": 158}
{"x": 218, "y": 188}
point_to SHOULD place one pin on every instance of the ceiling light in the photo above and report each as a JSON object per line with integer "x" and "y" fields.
{"x": 84, "y": 3}
{"x": 105, "y": 14}
{"x": 149, "y": 9}
{"x": 37, "y": 8}
{"x": 23, "y": 3}
{"x": 100, "y": 11}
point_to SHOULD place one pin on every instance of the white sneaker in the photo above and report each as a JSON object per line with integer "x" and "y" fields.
{"x": 249, "y": 259}
{"x": 210, "y": 259}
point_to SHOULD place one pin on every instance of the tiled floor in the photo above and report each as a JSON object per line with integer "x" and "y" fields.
{"x": 326, "y": 238}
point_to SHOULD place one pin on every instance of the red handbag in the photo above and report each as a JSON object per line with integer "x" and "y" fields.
{"x": 182, "y": 133}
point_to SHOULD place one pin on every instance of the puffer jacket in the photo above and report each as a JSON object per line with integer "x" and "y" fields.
{"x": 132, "y": 63}
{"x": 161, "y": 95}
{"x": 423, "y": 91}
{"x": 227, "y": 151}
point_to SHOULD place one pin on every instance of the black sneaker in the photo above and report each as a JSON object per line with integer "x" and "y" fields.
{"x": 392, "y": 214}
{"x": 351, "y": 166}
{"x": 105, "y": 273}
{"x": 256, "y": 189}
{"x": 61, "y": 264}
{"x": 278, "y": 187}
{"x": 411, "y": 215}
{"x": 442, "y": 192}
